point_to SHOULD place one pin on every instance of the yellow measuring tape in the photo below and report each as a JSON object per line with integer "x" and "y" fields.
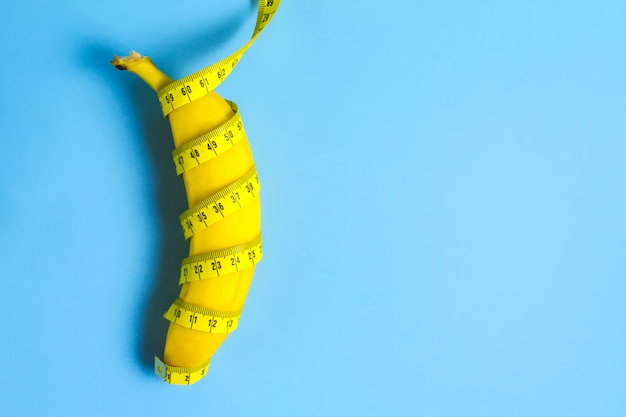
{"x": 221, "y": 262}
{"x": 201, "y": 318}
{"x": 179, "y": 375}
{"x": 217, "y": 206}
{"x": 209, "y": 145}
{"x": 197, "y": 318}
{"x": 200, "y": 83}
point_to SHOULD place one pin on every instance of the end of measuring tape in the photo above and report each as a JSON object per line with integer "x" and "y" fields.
{"x": 177, "y": 375}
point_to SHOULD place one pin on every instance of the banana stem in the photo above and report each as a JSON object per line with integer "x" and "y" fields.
{"x": 144, "y": 68}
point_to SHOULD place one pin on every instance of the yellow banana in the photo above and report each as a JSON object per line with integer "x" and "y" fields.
{"x": 188, "y": 350}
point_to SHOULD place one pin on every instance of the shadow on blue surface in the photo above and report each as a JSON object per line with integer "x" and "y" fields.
{"x": 168, "y": 199}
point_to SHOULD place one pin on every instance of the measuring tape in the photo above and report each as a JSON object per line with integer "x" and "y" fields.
{"x": 209, "y": 145}
{"x": 215, "y": 207}
{"x": 178, "y": 374}
{"x": 201, "y": 83}
{"x": 219, "y": 205}
{"x": 221, "y": 262}
{"x": 202, "y": 319}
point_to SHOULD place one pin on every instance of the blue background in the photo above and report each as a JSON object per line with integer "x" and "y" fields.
{"x": 443, "y": 208}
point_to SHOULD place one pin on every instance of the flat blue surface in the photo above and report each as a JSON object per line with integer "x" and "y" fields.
{"x": 443, "y": 208}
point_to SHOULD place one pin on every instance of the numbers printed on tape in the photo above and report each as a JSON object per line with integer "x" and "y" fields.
{"x": 178, "y": 375}
{"x": 209, "y": 145}
{"x": 221, "y": 262}
{"x": 199, "y": 84}
{"x": 221, "y": 204}
{"x": 201, "y": 318}
{"x": 215, "y": 207}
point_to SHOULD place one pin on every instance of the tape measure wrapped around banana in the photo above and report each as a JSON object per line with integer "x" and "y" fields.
{"x": 223, "y": 222}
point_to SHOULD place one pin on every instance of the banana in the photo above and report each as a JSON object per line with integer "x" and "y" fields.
{"x": 188, "y": 349}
